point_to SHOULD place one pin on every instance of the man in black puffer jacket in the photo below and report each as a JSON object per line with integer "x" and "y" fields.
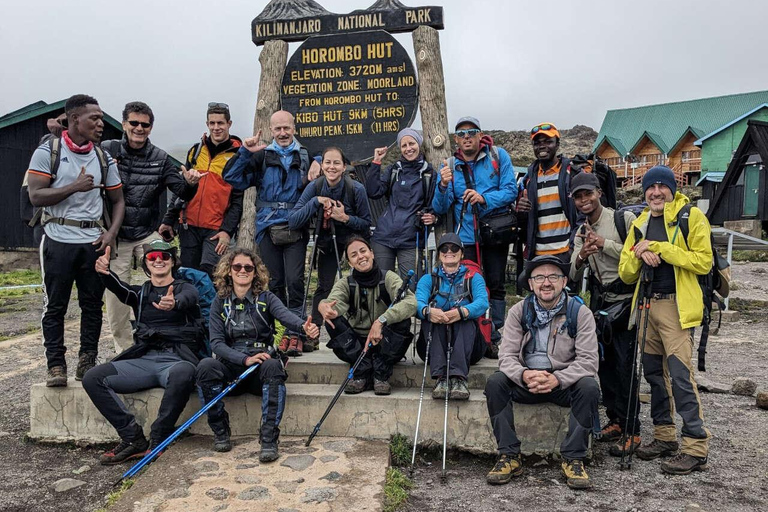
{"x": 146, "y": 171}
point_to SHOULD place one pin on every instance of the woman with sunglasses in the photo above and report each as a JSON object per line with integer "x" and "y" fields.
{"x": 168, "y": 339}
{"x": 408, "y": 185}
{"x": 449, "y": 299}
{"x": 242, "y": 329}
{"x": 339, "y": 206}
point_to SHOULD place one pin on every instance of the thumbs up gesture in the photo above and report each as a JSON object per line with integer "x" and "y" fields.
{"x": 102, "y": 263}
{"x": 310, "y": 329}
{"x": 192, "y": 175}
{"x": 167, "y": 301}
{"x": 84, "y": 182}
{"x": 446, "y": 174}
{"x": 523, "y": 204}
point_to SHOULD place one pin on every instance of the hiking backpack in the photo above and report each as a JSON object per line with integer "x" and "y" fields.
{"x": 618, "y": 217}
{"x": 573, "y": 304}
{"x": 32, "y": 215}
{"x": 384, "y": 296}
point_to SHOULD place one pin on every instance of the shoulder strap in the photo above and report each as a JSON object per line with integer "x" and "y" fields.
{"x": 349, "y": 192}
{"x": 196, "y": 149}
{"x": 682, "y": 221}
{"x": 54, "y": 144}
{"x": 142, "y": 293}
{"x": 352, "y": 310}
{"x": 394, "y": 175}
{"x": 621, "y": 225}
{"x": 320, "y": 183}
{"x": 528, "y": 313}
{"x": 383, "y": 293}
{"x": 573, "y": 305}
{"x": 494, "y": 153}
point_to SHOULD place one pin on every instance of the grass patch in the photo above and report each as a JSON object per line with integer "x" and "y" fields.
{"x": 115, "y": 495}
{"x": 20, "y": 278}
{"x": 396, "y": 490}
{"x": 757, "y": 256}
{"x": 748, "y": 308}
{"x": 400, "y": 450}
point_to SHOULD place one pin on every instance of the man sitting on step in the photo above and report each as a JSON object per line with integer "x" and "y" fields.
{"x": 548, "y": 353}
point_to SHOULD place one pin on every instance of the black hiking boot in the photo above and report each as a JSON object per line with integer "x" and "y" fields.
{"x": 126, "y": 450}
{"x": 356, "y": 386}
{"x": 86, "y": 361}
{"x": 221, "y": 434}
{"x": 57, "y": 377}
{"x": 683, "y": 464}
{"x": 269, "y": 440}
{"x": 657, "y": 449}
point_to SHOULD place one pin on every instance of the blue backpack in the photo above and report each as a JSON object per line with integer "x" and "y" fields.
{"x": 206, "y": 292}
{"x": 572, "y": 305}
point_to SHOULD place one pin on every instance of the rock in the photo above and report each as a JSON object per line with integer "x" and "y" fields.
{"x": 246, "y": 466}
{"x": 82, "y": 469}
{"x": 5, "y": 434}
{"x": 332, "y": 476}
{"x": 710, "y": 386}
{"x": 744, "y": 387}
{"x": 217, "y": 493}
{"x": 319, "y": 495}
{"x": 645, "y": 398}
{"x": 343, "y": 445}
{"x": 254, "y": 493}
{"x": 298, "y": 462}
{"x": 206, "y": 466}
{"x": 328, "y": 458}
{"x": 247, "y": 479}
{"x": 177, "y": 493}
{"x": 299, "y": 480}
{"x": 762, "y": 400}
{"x": 66, "y": 484}
{"x": 287, "y": 487}
{"x": 223, "y": 506}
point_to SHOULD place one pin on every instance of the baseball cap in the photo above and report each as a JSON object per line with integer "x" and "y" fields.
{"x": 470, "y": 120}
{"x": 584, "y": 181}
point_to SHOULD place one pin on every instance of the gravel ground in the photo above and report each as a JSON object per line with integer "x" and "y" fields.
{"x": 735, "y": 480}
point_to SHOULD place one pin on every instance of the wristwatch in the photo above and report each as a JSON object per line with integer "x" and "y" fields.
{"x": 383, "y": 320}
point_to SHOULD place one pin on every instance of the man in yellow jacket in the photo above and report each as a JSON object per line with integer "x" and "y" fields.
{"x": 657, "y": 247}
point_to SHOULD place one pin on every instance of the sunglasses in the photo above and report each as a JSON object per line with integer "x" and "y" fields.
{"x": 552, "y": 278}
{"x": 541, "y": 127}
{"x": 237, "y": 267}
{"x": 137, "y": 123}
{"x": 158, "y": 255}
{"x": 467, "y": 133}
{"x": 445, "y": 249}
{"x": 214, "y": 104}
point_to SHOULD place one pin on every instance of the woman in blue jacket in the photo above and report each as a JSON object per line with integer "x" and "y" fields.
{"x": 408, "y": 184}
{"x": 454, "y": 302}
{"x": 337, "y": 202}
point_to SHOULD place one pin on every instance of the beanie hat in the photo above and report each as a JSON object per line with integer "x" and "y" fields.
{"x": 410, "y": 132}
{"x": 660, "y": 174}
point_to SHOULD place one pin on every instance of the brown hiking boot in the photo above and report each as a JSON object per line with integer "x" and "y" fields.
{"x": 610, "y": 432}
{"x": 506, "y": 467}
{"x": 575, "y": 475}
{"x": 295, "y": 347}
{"x": 311, "y": 344}
{"x": 657, "y": 449}
{"x": 683, "y": 464}
{"x": 86, "y": 361}
{"x": 381, "y": 387}
{"x": 356, "y": 386}
{"x": 57, "y": 377}
{"x": 285, "y": 342}
{"x": 631, "y": 443}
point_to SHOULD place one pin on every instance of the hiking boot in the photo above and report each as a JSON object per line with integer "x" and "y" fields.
{"x": 154, "y": 443}
{"x": 86, "y": 361}
{"x": 459, "y": 390}
{"x": 295, "y": 347}
{"x": 268, "y": 451}
{"x": 57, "y": 377}
{"x": 135, "y": 449}
{"x": 311, "y": 344}
{"x": 506, "y": 467}
{"x": 285, "y": 342}
{"x": 575, "y": 475}
{"x": 683, "y": 464}
{"x": 381, "y": 387}
{"x": 221, "y": 433}
{"x": 631, "y": 443}
{"x": 440, "y": 389}
{"x": 610, "y": 432}
{"x": 356, "y": 386}
{"x": 657, "y": 449}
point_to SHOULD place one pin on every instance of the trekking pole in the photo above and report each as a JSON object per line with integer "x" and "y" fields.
{"x": 311, "y": 264}
{"x": 449, "y": 336}
{"x": 400, "y": 294}
{"x": 461, "y": 216}
{"x": 421, "y": 395}
{"x": 415, "y": 266}
{"x": 154, "y": 453}
{"x": 633, "y": 404}
{"x": 335, "y": 247}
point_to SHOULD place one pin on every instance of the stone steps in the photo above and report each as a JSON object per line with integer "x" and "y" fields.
{"x": 66, "y": 414}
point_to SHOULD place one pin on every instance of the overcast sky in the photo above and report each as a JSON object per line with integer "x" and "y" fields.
{"x": 511, "y": 64}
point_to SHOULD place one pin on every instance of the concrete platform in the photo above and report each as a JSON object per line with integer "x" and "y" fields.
{"x": 66, "y": 414}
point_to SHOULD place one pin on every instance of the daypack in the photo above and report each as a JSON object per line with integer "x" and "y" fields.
{"x": 383, "y": 297}
{"x": 484, "y": 324}
{"x": 618, "y": 217}
{"x": 714, "y": 284}
{"x": 32, "y": 215}
{"x": 605, "y": 176}
{"x": 573, "y": 304}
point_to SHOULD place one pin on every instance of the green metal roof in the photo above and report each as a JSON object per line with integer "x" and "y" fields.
{"x": 702, "y": 138}
{"x": 656, "y": 139}
{"x": 666, "y": 123}
{"x": 613, "y": 142}
{"x": 714, "y": 176}
{"x": 40, "y": 108}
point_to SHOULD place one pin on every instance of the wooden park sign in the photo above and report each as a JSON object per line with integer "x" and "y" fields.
{"x": 354, "y": 91}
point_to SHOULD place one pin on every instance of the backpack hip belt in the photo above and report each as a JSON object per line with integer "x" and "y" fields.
{"x": 278, "y": 205}
{"x": 82, "y": 224}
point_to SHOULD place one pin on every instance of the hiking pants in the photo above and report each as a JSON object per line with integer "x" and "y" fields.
{"x": 668, "y": 347}
{"x": 468, "y": 348}
{"x": 286, "y": 265}
{"x": 156, "y": 369}
{"x": 62, "y": 266}
{"x": 380, "y": 359}
{"x": 582, "y": 397}
{"x": 268, "y": 381}
{"x": 198, "y": 251}
{"x": 406, "y": 258}
{"x": 119, "y": 314}
{"x": 327, "y": 271}
{"x": 616, "y": 374}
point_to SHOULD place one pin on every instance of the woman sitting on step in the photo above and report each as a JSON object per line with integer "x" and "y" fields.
{"x": 242, "y": 326}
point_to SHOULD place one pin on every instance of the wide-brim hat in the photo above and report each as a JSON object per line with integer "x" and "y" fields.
{"x": 551, "y": 259}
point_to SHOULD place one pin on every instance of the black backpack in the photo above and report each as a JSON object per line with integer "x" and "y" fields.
{"x": 384, "y": 296}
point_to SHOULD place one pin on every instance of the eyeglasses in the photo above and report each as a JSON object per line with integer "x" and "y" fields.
{"x": 541, "y": 127}
{"x": 214, "y": 104}
{"x": 449, "y": 248}
{"x": 552, "y": 278}
{"x": 158, "y": 255}
{"x": 467, "y": 133}
{"x": 237, "y": 267}
{"x": 137, "y": 123}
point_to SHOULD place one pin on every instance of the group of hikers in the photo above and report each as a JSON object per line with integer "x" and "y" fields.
{"x": 101, "y": 216}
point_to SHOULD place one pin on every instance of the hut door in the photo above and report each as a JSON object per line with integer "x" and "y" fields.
{"x": 751, "y": 186}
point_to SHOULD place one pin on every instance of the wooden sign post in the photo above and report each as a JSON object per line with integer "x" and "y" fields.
{"x": 350, "y": 84}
